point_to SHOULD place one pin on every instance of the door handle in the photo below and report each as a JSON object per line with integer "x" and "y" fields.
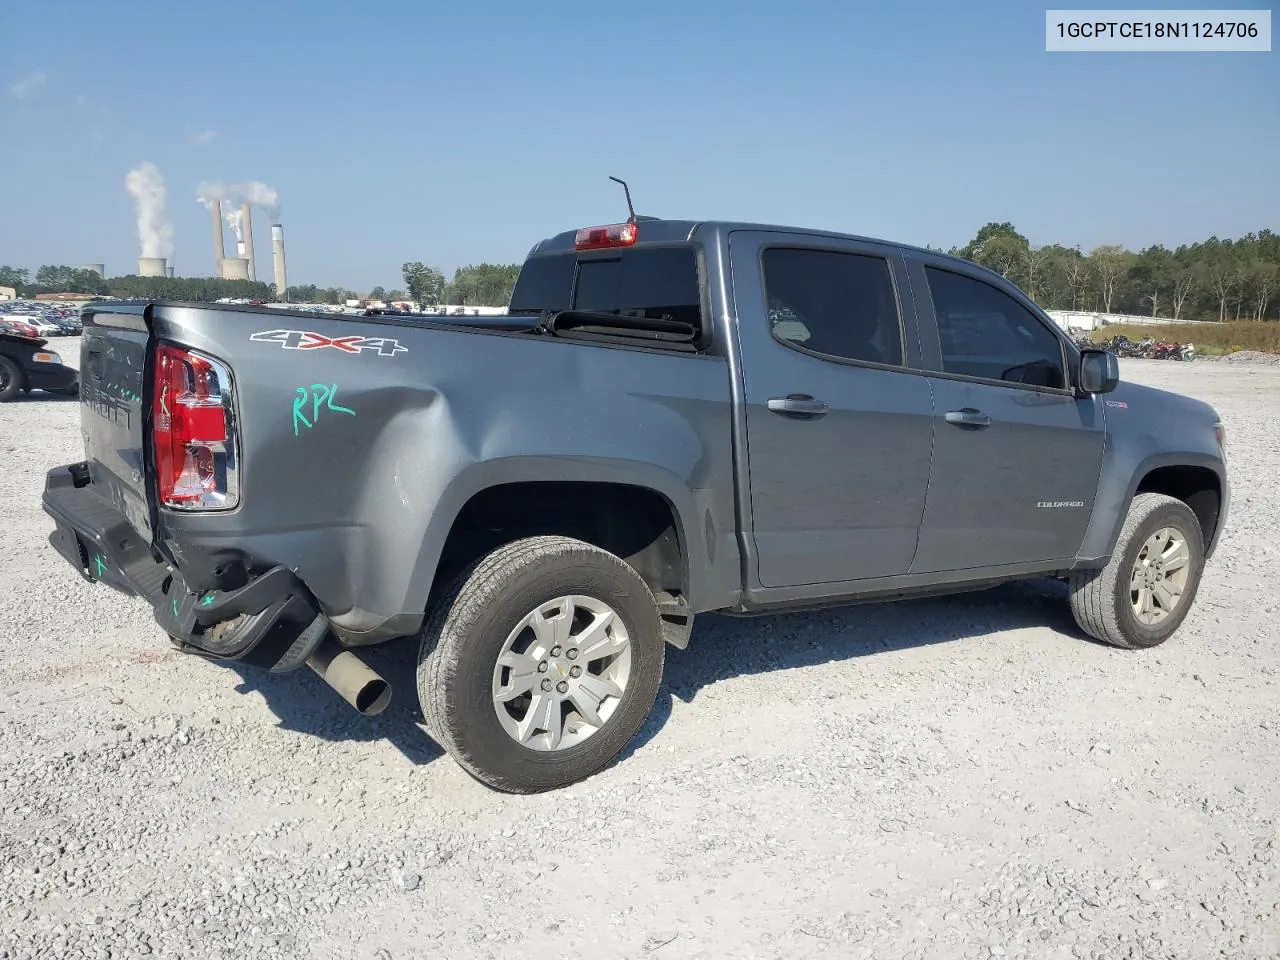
{"x": 968, "y": 417}
{"x": 798, "y": 405}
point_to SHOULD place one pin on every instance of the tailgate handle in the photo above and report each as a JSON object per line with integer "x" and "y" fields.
{"x": 93, "y": 363}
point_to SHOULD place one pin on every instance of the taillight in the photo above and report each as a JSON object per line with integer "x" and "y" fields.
{"x": 194, "y": 439}
{"x": 600, "y": 238}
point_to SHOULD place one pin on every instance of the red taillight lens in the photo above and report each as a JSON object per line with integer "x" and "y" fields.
{"x": 195, "y": 456}
{"x": 600, "y": 238}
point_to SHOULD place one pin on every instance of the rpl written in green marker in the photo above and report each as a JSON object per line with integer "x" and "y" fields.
{"x": 319, "y": 397}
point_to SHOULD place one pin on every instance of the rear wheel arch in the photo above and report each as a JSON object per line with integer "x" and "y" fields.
{"x": 641, "y": 525}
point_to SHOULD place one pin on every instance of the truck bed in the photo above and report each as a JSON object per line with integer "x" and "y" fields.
{"x": 361, "y": 438}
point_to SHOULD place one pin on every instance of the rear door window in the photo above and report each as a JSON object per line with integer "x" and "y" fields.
{"x": 838, "y": 304}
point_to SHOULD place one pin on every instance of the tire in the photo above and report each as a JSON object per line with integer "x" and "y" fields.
{"x": 11, "y": 379}
{"x": 475, "y": 622}
{"x": 1103, "y": 601}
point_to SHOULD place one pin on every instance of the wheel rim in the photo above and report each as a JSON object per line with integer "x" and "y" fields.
{"x": 4, "y": 377}
{"x": 562, "y": 673}
{"x": 1160, "y": 575}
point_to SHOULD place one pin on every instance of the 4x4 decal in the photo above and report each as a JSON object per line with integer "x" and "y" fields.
{"x": 309, "y": 340}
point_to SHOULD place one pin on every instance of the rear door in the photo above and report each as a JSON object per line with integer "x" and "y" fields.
{"x": 838, "y": 428}
{"x": 1016, "y": 454}
{"x": 113, "y": 355}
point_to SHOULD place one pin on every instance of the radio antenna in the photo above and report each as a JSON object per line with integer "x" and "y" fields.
{"x": 627, "y": 190}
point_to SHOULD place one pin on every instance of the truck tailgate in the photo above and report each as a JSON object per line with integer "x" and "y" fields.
{"x": 112, "y": 383}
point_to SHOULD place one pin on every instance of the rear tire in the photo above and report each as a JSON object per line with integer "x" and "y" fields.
{"x": 540, "y": 664}
{"x": 1140, "y": 598}
{"x": 11, "y": 379}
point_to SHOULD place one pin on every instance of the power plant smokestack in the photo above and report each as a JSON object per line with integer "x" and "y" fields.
{"x": 151, "y": 266}
{"x": 219, "y": 249}
{"x": 246, "y": 221}
{"x": 277, "y": 257}
{"x": 168, "y": 272}
{"x": 234, "y": 268}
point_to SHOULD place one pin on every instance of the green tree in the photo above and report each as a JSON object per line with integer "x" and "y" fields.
{"x": 377, "y": 293}
{"x": 485, "y": 284}
{"x": 999, "y": 247}
{"x": 16, "y": 277}
{"x": 1108, "y": 264}
{"x": 306, "y": 293}
{"x": 1262, "y": 280}
{"x": 198, "y": 289}
{"x": 1151, "y": 278}
{"x": 426, "y": 284}
{"x": 52, "y": 278}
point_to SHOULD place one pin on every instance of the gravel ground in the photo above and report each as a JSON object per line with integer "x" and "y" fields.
{"x": 954, "y": 778}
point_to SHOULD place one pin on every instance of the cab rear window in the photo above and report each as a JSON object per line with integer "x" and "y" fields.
{"x": 654, "y": 283}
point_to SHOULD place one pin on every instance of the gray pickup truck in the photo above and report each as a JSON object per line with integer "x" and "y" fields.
{"x": 672, "y": 418}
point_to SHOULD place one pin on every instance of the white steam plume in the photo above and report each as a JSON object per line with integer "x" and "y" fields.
{"x": 232, "y": 214}
{"x": 261, "y": 196}
{"x": 233, "y": 195}
{"x": 155, "y": 234}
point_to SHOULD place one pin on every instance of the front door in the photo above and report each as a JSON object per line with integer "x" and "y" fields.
{"x": 838, "y": 431}
{"x": 1016, "y": 454}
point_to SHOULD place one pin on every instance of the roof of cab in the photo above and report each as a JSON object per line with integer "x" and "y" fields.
{"x": 676, "y": 231}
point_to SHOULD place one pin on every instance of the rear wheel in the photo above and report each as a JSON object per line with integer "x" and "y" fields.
{"x": 541, "y": 663}
{"x": 10, "y": 379}
{"x": 1146, "y": 589}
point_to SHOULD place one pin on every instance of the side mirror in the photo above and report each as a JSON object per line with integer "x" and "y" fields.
{"x": 1099, "y": 371}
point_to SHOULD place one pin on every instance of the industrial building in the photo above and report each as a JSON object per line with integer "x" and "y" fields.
{"x": 243, "y": 266}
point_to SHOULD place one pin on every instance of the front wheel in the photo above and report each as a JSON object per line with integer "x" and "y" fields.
{"x": 541, "y": 663}
{"x": 1147, "y": 587}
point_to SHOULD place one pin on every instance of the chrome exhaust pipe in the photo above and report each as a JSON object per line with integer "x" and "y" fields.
{"x": 351, "y": 677}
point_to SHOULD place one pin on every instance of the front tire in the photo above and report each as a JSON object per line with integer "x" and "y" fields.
{"x": 1140, "y": 598}
{"x": 540, "y": 664}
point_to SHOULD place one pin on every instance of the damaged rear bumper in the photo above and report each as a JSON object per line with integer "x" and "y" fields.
{"x": 271, "y": 620}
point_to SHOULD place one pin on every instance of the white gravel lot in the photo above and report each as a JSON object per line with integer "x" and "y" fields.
{"x": 966, "y": 777}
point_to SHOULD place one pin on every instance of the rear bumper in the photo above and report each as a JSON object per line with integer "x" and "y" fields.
{"x": 270, "y": 621}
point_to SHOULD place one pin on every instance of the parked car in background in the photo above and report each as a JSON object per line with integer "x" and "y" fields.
{"x": 26, "y": 365}
{"x": 45, "y": 327}
{"x": 18, "y": 326}
{"x": 68, "y": 326}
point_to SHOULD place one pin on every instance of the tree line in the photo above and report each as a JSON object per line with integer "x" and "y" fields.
{"x": 1211, "y": 280}
{"x": 482, "y": 284}
{"x": 63, "y": 279}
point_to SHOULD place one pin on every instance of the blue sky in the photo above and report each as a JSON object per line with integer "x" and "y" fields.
{"x": 456, "y": 133}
